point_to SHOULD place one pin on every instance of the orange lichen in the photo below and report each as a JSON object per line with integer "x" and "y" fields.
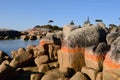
{"x": 94, "y": 57}
{"x": 111, "y": 64}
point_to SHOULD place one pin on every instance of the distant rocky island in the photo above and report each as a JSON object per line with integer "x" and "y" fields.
{"x": 87, "y": 52}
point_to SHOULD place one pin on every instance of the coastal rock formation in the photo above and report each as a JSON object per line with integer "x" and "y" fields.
{"x": 73, "y": 46}
{"x": 9, "y": 34}
{"x": 111, "y": 65}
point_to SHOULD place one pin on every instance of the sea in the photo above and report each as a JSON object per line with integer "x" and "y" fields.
{"x": 9, "y": 45}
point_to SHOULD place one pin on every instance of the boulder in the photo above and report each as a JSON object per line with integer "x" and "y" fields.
{"x": 111, "y": 37}
{"x": 32, "y": 37}
{"x": 25, "y": 37}
{"x": 91, "y": 73}
{"x": 7, "y": 72}
{"x": 41, "y": 60}
{"x": 4, "y": 56}
{"x": 111, "y": 65}
{"x": 73, "y": 46}
{"x": 39, "y": 51}
{"x": 78, "y": 76}
{"x": 53, "y": 65}
{"x": 53, "y": 75}
{"x": 94, "y": 56}
{"x": 43, "y": 68}
{"x": 23, "y": 59}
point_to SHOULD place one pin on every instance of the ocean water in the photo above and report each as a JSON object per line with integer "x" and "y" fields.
{"x": 9, "y": 45}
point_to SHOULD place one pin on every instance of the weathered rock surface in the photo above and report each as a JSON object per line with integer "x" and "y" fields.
{"x": 78, "y": 76}
{"x": 111, "y": 65}
{"x": 22, "y": 58}
{"x": 91, "y": 73}
{"x": 111, "y": 37}
{"x": 73, "y": 46}
{"x": 53, "y": 75}
{"x": 94, "y": 56}
{"x": 41, "y": 60}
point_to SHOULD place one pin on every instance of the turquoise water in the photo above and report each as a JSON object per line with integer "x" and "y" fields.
{"x": 9, "y": 45}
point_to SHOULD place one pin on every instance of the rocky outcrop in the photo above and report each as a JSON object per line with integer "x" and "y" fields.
{"x": 9, "y": 34}
{"x": 71, "y": 54}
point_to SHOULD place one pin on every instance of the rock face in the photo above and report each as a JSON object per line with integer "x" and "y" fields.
{"x": 111, "y": 65}
{"x": 73, "y": 46}
{"x": 94, "y": 56}
{"x": 111, "y": 37}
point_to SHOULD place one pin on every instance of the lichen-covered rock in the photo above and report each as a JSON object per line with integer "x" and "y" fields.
{"x": 41, "y": 60}
{"x": 111, "y": 37}
{"x": 94, "y": 56}
{"x": 78, "y": 76}
{"x": 73, "y": 46}
{"x": 67, "y": 29}
{"x": 91, "y": 73}
{"x": 111, "y": 65}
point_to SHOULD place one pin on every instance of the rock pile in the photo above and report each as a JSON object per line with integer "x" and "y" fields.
{"x": 87, "y": 53}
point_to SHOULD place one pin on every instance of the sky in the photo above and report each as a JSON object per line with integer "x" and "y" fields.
{"x": 25, "y": 14}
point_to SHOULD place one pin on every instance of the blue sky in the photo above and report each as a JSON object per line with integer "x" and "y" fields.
{"x": 25, "y": 14}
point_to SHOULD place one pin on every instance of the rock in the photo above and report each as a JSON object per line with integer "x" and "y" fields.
{"x": 67, "y": 29}
{"x": 69, "y": 72}
{"x": 73, "y": 46}
{"x": 94, "y": 56}
{"x": 53, "y": 52}
{"x": 53, "y": 65}
{"x": 36, "y": 76}
{"x": 9, "y": 34}
{"x": 39, "y": 36}
{"x": 32, "y": 37}
{"x": 4, "y": 56}
{"x": 25, "y": 37}
{"x": 99, "y": 76}
{"x": 116, "y": 42}
{"x": 14, "y": 53}
{"x": 111, "y": 65}
{"x": 39, "y": 51}
{"x": 23, "y": 59}
{"x": 111, "y": 37}
{"x": 6, "y": 71}
{"x": 63, "y": 79}
{"x": 78, "y": 76}
{"x": 43, "y": 68}
{"x": 91, "y": 73}
{"x": 53, "y": 75}
{"x": 41, "y": 60}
